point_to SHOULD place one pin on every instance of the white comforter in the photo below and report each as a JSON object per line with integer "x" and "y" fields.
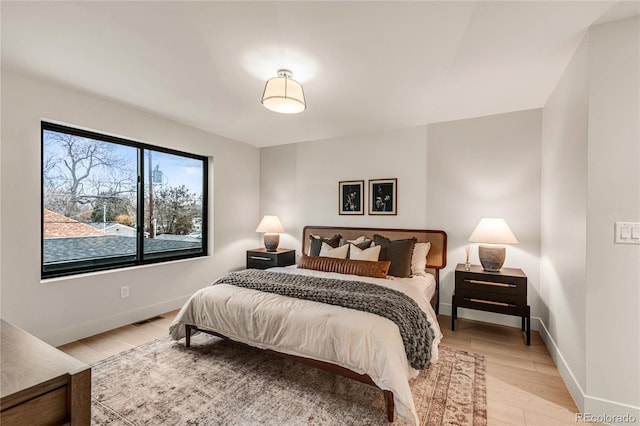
{"x": 360, "y": 341}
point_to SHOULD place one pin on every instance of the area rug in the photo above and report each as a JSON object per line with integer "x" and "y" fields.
{"x": 217, "y": 382}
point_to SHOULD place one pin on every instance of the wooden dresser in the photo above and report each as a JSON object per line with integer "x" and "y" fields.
{"x": 41, "y": 385}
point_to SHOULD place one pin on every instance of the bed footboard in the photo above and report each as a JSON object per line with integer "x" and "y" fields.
{"x": 331, "y": 368}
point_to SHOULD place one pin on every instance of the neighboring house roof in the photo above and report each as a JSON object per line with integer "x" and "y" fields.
{"x": 61, "y": 242}
{"x": 59, "y": 226}
{"x": 73, "y": 249}
{"x": 100, "y": 225}
{"x": 107, "y": 225}
{"x": 188, "y": 237}
{"x": 118, "y": 226}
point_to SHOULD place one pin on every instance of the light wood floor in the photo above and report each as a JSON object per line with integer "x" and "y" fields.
{"x": 523, "y": 384}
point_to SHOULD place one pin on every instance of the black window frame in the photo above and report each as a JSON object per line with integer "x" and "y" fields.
{"x": 119, "y": 262}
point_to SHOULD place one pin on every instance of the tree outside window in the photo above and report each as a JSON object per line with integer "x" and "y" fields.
{"x": 94, "y": 215}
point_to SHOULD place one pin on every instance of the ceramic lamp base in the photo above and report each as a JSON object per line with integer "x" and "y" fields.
{"x": 271, "y": 241}
{"x": 491, "y": 257}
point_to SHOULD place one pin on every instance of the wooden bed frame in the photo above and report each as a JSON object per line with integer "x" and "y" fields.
{"x": 436, "y": 260}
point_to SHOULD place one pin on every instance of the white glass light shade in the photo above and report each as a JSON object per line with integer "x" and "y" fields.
{"x": 284, "y": 95}
{"x": 271, "y": 225}
{"x": 493, "y": 231}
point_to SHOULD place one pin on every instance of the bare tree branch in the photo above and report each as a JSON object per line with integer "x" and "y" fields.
{"x": 77, "y": 169}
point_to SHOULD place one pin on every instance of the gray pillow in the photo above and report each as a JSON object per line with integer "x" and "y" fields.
{"x": 363, "y": 245}
{"x": 316, "y": 243}
{"x": 399, "y": 252}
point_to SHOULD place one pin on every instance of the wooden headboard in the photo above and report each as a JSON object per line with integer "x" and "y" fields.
{"x": 436, "y": 258}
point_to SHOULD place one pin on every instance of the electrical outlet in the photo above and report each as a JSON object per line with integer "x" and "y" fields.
{"x": 124, "y": 291}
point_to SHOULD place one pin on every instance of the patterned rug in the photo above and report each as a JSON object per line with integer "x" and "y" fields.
{"x": 216, "y": 382}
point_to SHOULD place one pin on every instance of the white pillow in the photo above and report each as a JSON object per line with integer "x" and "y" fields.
{"x": 419, "y": 258}
{"x": 337, "y": 253}
{"x": 372, "y": 253}
{"x": 358, "y": 240}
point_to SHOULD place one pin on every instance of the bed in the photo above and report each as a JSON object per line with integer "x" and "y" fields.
{"x": 360, "y": 345}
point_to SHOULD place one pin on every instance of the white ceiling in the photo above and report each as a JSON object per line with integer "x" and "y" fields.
{"x": 366, "y": 67}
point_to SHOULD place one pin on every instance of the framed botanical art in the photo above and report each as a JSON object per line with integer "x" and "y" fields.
{"x": 351, "y": 197}
{"x": 383, "y": 196}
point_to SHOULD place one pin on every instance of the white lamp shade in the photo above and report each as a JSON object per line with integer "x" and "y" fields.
{"x": 493, "y": 231}
{"x": 271, "y": 225}
{"x": 282, "y": 94}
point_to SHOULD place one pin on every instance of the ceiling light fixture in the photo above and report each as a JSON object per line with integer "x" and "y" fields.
{"x": 283, "y": 94}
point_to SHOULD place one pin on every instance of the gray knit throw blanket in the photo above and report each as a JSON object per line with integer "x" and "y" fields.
{"x": 414, "y": 326}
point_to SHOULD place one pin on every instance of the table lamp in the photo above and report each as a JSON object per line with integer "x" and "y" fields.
{"x": 492, "y": 231}
{"x": 272, "y": 228}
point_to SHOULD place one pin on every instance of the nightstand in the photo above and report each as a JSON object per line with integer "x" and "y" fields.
{"x": 503, "y": 292}
{"x": 260, "y": 258}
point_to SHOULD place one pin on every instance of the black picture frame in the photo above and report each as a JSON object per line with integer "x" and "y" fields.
{"x": 351, "y": 197}
{"x": 383, "y": 197}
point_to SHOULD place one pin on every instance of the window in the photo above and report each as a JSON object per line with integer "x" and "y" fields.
{"x": 110, "y": 203}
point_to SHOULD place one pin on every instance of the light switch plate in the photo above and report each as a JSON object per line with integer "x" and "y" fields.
{"x": 627, "y": 233}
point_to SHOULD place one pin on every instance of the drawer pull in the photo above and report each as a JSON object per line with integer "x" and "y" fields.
{"x": 490, "y": 283}
{"x": 489, "y": 302}
{"x": 259, "y": 258}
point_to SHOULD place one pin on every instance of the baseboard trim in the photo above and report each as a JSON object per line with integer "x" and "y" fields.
{"x": 593, "y": 409}
{"x": 608, "y": 410}
{"x": 91, "y": 328}
{"x": 576, "y": 391}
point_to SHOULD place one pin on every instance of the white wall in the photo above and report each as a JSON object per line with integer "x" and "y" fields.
{"x": 465, "y": 170}
{"x": 613, "y": 194}
{"x": 590, "y": 179}
{"x": 71, "y": 308}
{"x": 279, "y": 191}
{"x": 564, "y": 222}
{"x": 299, "y": 182}
{"x": 487, "y": 167}
{"x": 561, "y": 177}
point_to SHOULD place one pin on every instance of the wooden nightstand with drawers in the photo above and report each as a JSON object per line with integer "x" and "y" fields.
{"x": 503, "y": 292}
{"x": 260, "y": 258}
